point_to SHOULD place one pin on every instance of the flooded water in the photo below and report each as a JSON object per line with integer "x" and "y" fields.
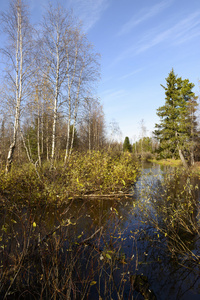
{"x": 124, "y": 225}
{"x": 116, "y": 233}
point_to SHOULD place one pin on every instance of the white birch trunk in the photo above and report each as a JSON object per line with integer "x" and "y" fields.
{"x": 69, "y": 112}
{"x": 42, "y": 130}
{"x": 38, "y": 135}
{"x": 26, "y": 148}
{"x": 70, "y": 83}
{"x": 192, "y": 139}
{"x": 18, "y": 86}
{"x": 76, "y": 111}
{"x": 47, "y": 140}
{"x": 89, "y": 131}
{"x": 55, "y": 104}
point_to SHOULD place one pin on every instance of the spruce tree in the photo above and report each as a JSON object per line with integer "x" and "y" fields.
{"x": 126, "y": 145}
{"x": 177, "y": 129}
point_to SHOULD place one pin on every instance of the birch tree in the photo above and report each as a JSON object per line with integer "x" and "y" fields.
{"x": 71, "y": 65}
{"x": 115, "y": 133}
{"x": 92, "y": 125}
{"x": 83, "y": 72}
{"x": 143, "y": 132}
{"x": 18, "y": 53}
{"x": 56, "y": 28}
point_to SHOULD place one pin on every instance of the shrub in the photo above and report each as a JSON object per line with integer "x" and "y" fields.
{"x": 90, "y": 173}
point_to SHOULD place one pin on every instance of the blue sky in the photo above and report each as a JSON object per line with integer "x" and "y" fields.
{"x": 140, "y": 41}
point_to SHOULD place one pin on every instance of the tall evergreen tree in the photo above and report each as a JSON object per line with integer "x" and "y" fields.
{"x": 177, "y": 129}
{"x": 127, "y": 145}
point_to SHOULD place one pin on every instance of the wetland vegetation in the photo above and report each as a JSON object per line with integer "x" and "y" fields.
{"x": 82, "y": 216}
{"x": 84, "y": 248}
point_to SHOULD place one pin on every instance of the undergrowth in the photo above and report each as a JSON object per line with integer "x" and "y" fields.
{"x": 171, "y": 205}
{"x": 84, "y": 174}
{"x": 49, "y": 250}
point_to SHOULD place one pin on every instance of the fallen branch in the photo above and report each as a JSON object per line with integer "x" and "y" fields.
{"x": 94, "y": 196}
{"x": 91, "y": 237}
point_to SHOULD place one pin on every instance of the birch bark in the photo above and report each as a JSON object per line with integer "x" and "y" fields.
{"x": 55, "y": 102}
{"x": 70, "y": 82}
{"x": 76, "y": 110}
{"x": 18, "y": 86}
{"x": 19, "y": 52}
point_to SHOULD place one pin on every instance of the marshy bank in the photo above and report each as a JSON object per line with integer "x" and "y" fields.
{"x": 146, "y": 246}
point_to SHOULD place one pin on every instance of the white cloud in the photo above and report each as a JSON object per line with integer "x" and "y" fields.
{"x": 131, "y": 73}
{"x": 110, "y": 95}
{"x": 184, "y": 30}
{"x": 181, "y": 32}
{"x": 143, "y": 16}
{"x": 89, "y": 11}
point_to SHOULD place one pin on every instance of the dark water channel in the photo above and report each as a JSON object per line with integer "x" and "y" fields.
{"x": 116, "y": 231}
{"x": 145, "y": 253}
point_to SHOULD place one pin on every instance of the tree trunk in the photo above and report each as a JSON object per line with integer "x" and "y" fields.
{"x": 184, "y": 162}
{"x": 75, "y": 112}
{"x": 42, "y": 130}
{"x": 89, "y": 132}
{"x": 38, "y": 135}
{"x": 192, "y": 140}
{"x": 18, "y": 85}
{"x": 47, "y": 138}
{"x": 70, "y": 84}
{"x": 192, "y": 157}
{"x": 26, "y": 148}
{"x": 55, "y": 104}
{"x": 68, "y": 135}
{"x": 54, "y": 132}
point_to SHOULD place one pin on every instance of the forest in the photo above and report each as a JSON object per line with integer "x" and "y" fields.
{"x": 48, "y": 107}
{"x": 78, "y": 216}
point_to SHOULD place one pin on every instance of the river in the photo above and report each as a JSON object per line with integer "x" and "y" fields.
{"x": 110, "y": 241}
{"x": 145, "y": 253}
